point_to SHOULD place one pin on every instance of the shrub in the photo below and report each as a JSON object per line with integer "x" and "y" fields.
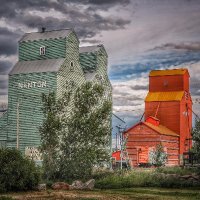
{"x": 158, "y": 157}
{"x": 16, "y": 172}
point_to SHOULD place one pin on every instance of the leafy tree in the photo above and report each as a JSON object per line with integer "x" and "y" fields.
{"x": 85, "y": 132}
{"x": 196, "y": 138}
{"x": 16, "y": 172}
{"x": 158, "y": 157}
{"x": 49, "y": 131}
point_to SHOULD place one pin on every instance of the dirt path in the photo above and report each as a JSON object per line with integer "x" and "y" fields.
{"x": 114, "y": 194}
{"x": 74, "y": 195}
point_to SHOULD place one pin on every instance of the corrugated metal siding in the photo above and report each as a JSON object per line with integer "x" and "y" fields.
{"x": 25, "y": 67}
{"x": 185, "y": 125}
{"x": 170, "y": 72}
{"x": 167, "y": 83}
{"x": 69, "y": 77}
{"x": 164, "y": 96}
{"x": 88, "y": 61}
{"x": 55, "y": 48}
{"x": 30, "y": 104}
{"x": 103, "y": 79}
{"x": 168, "y": 113}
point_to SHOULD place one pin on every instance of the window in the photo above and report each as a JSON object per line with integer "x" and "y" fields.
{"x": 71, "y": 66}
{"x": 42, "y": 50}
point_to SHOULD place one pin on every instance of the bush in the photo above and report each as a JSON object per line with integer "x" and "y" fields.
{"x": 158, "y": 157}
{"x": 16, "y": 172}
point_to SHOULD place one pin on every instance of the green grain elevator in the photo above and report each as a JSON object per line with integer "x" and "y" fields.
{"x": 48, "y": 61}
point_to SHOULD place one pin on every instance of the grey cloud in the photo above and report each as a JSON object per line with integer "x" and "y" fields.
{"x": 109, "y": 1}
{"x": 195, "y": 86}
{"x": 86, "y": 26}
{"x": 139, "y": 87}
{"x": 87, "y": 22}
{"x": 5, "y": 66}
{"x": 190, "y": 46}
{"x": 3, "y": 84}
{"x": 3, "y": 91}
{"x": 8, "y": 42}
{"x": 127, "y": 101}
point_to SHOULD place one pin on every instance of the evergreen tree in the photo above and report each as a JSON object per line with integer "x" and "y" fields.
{"x": 158, "y": 157}
{"x": 85, "y": 132}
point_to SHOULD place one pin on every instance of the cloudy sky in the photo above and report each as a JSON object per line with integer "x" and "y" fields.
{"x": 139, "y": 35}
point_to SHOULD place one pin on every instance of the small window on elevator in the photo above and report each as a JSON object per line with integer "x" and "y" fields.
{"x": 42, "y": 50}
{"x": 71, "y": 66}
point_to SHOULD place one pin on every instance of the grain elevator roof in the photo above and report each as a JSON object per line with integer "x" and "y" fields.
{"x": 168, "y": 72}
{"x": 164, "y": 96}
{"x": 48, "y": 65}
{"x": 46, "y": 35}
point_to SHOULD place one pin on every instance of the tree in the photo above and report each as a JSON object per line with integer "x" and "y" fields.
{"x": 50, "y": 138}
{"x": 196, "y": 138}
{"x": 158, "y": 157}
{"x": 85, "y": 132}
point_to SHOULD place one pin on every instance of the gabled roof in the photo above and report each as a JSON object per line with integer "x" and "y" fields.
{"x": 46, "y": 35}
{"x": 163, "y": 130}
{"x": 168, "y": 72}
{"x": 164, "y": 96}
{"x": 48, "y": 65}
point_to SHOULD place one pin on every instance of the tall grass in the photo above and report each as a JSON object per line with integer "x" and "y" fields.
{"x": 145, "y": 178}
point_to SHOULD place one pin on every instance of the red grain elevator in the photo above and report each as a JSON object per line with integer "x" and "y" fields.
{"x": 169, "y": 100}
{"x": 168, "y": 119}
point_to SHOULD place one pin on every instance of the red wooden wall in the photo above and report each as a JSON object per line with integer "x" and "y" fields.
{"x": 169, "y": 83}
{"x": 141, "y": 139}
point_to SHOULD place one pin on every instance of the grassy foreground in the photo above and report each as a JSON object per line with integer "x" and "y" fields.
{"x": 112, "y": 194}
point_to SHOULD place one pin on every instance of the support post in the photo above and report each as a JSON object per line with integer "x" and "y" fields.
{"x": 17, "y": 125}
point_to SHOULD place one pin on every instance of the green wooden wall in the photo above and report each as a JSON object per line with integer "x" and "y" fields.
{"x": 30, "y": 104}
{"x": 55, "y": 48}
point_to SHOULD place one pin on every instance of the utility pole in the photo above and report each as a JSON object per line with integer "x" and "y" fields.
{"x": 17, "y": 120}
{"x": 121, "y": 143}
